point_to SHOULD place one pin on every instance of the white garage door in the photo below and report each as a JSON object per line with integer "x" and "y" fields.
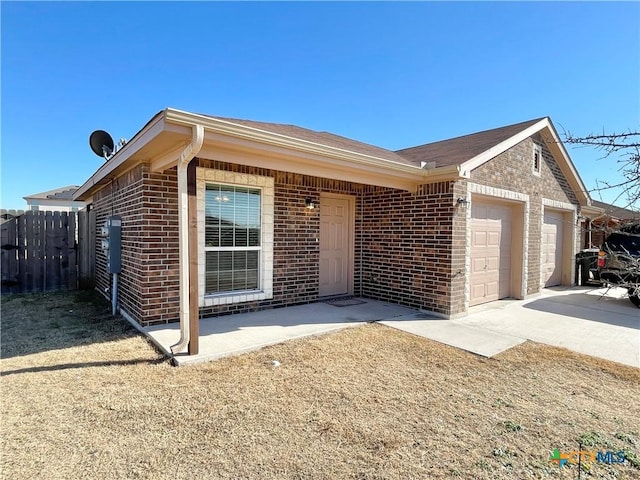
{"x": 552, "y": 239}
{"x": 490, "y": 252}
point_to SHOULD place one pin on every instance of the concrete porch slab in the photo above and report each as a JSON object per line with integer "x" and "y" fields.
{"x": 235, "y": 334}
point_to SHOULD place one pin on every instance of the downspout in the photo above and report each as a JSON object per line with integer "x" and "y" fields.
{"x": 197, "y": 139}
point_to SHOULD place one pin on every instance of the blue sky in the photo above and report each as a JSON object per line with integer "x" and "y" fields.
{"x": 390, "y": 74}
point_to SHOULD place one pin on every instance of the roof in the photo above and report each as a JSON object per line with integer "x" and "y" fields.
{"x": 616, "y": 212}
{"x": 162, "y": 142}
{"x": 62, "y": 193}
{"x": 456, "y": 151}
{"x": 323, "y": 138}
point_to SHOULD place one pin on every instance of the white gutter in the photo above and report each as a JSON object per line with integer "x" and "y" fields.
{"x": 197, "y": 139}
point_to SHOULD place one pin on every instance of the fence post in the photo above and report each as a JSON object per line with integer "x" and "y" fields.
{"x": 72, "y": 245}
{"x": 86, "y": 249}
{"x": 9, "y": 265}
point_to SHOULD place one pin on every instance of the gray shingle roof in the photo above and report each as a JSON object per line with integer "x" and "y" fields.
{"x": 62, "y": 193}
{"x": 456, "y": 151}
{"x": 322, "y": 138}
{"x": 616, "y": 212}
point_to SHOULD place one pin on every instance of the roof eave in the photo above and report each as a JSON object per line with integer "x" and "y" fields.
{"x": 591, "y": 211}
{"x": 124, "y": 156}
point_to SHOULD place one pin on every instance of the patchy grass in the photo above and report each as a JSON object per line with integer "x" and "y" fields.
{"x": 84, "y": 396}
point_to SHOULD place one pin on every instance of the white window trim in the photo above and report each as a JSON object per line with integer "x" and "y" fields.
{"x": 536, "y": 149}
{"x": 266, "y": 186}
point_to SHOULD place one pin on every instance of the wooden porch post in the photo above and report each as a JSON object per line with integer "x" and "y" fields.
{"x": 194, "y": 314}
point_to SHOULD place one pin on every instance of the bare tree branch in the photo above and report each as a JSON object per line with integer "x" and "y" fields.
{"x": 626, "y": 146}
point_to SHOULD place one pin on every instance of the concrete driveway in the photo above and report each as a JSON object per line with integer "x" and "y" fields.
{"x": 598, "y": 322}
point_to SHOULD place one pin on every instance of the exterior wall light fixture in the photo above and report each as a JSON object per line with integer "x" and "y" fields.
{"x": 310, "y": 204}
{"x": 463, "y": 202}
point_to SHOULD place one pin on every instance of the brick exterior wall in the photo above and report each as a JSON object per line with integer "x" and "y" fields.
{"x": 148, "y": 205}
{"x": 402, "y": 242}
{"x": 410, "y": 248}
{"x": 406, "y": 246}
{"x": 458, "y": 253}
{"x": 512, "y": 170}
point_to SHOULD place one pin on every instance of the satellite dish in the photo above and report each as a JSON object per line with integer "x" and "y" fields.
{"x": 102, "y": 144}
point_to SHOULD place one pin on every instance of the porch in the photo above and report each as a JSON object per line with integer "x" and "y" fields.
{"x": 239, "y": 333}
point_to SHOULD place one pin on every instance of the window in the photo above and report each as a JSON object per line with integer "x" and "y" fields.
{"x": 232, "y": 238}
{"x": 235, "y": 237}
{"x": 537, "y": 159}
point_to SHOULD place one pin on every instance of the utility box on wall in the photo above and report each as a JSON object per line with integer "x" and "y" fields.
{"x": 111, "y": 234}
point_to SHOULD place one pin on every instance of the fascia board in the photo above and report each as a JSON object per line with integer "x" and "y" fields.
{"x": 591, "y": 211}
{"x": 451, "y": 172}
{"x": 567, "y": 165}
{"x": 150, "y": 131}
{"x": 242, "y": 151}
{"x": 278, "y": 158}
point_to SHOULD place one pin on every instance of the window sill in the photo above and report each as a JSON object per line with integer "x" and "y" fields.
{"x": 238, "y": 297}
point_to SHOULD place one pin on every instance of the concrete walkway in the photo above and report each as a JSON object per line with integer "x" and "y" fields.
{"x": 598, "y": 322}
{"x": 240, "y": 333}
{"x": 457, "y": 334}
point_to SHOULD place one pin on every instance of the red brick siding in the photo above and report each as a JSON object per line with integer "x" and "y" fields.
{"x": 406, "y": 246}
{"x": 402, "y": 242}
{"x": 123, "y": 196}
{"x": 147, "y": 203}
{"x": 512, "y": 170}
{"x": 458, "y": 254}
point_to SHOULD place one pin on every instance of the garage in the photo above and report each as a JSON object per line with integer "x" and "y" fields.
{"x": 490, "y": 275}
{"x": 551, "y": 248}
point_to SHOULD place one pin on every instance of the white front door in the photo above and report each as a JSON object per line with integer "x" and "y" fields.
{"x": 336, "y": 227}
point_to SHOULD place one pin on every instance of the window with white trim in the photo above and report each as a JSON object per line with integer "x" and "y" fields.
{"x": 232, "y": 238}
{"x": 537, "y": 159}
{"x": 235, "y": 237}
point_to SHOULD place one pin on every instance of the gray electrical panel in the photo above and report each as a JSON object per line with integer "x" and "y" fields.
{"x": 111, "y": 234}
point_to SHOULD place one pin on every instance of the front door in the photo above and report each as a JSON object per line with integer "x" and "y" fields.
{"x": 336, "y": 230}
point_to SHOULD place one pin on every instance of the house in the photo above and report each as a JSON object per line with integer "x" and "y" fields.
{"x": 59, "y": 199}
{"x": 609, "y": 218}
{"x": 223, "y": 215}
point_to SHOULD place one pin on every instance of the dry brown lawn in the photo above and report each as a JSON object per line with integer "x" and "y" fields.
{"x": 85, "y": 396}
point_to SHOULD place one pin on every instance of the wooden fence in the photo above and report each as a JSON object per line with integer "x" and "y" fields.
{"x": 86, "y": 254}
{"x": 41, "y": 252}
